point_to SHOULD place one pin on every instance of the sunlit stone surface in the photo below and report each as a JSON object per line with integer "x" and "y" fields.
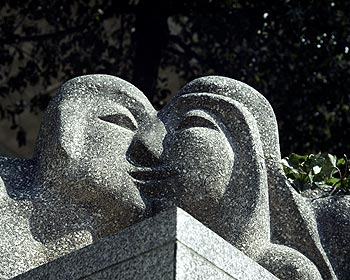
{"x": 159, "y": 248}
{"x": 105, "y": 159}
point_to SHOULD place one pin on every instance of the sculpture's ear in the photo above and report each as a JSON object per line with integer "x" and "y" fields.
{"x": 17, "y": 175}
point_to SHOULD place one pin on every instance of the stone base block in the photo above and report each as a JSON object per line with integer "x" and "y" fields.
{"x": 171, "y": 245}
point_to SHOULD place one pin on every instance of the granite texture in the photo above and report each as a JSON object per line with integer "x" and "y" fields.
{"x": 105, "y": 160}
{"x": 161, "y": 247}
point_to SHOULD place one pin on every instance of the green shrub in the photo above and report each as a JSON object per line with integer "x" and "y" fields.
{"x": 319, "y": 172}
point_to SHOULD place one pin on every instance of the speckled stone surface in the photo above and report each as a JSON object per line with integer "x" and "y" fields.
{"x": 105, "y": 159}
{"x": 161, "y": 247}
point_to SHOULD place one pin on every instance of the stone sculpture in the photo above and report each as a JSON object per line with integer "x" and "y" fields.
{"x": 105, "y": 159}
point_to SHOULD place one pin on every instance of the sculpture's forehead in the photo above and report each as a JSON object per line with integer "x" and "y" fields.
{"x": 101, "y": 95}
{"x": 95, "y": 103}
{"x": 104, "y": 99}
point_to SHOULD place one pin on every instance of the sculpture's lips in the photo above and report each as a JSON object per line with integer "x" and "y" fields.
{"x": 153, "y": 180}
{"x": 152, "y": 174}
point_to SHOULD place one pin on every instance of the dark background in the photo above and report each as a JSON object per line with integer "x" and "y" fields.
{"x": 296, "y": 53}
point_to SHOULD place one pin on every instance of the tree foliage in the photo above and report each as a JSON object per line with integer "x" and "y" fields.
{"x": 321, "y": 172}
{"x": 294, "y": 52}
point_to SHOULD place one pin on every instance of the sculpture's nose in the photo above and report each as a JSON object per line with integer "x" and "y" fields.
{"x": 147, "y": 145}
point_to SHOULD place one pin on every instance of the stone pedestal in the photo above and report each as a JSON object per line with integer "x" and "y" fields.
{"x": 171, "y": 245}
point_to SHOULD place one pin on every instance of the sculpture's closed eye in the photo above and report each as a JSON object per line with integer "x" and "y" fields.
{"x": 197, "y": 119}
{"x": 121, "y": 120}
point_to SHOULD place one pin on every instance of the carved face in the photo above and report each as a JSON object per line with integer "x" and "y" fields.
{"x": 83, "y": 146}
{"x": 102, "y": 163}
{"x": 198, "y": 150}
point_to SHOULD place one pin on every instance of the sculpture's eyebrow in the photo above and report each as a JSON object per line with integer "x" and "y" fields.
{"x": 200, "y": 113}
{"x": 197, "y": 118}
{"x": 122, "y": 117}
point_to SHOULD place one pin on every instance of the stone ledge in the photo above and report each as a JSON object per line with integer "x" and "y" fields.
{"x": 171, "y": 245}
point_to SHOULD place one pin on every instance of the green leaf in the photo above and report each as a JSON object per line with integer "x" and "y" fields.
{"x": 332, "y": 159}
{"x": 333, "y": 181}
{"x": 288, "y": 169}
{"x": 329, "y": 167}
{"x": 295, "y": 160}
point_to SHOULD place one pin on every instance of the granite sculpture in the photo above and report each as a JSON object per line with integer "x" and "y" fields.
{"x": 106, "y": 159}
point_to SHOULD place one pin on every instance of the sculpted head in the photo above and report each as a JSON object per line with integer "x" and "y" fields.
{"x": 83, "y": 145}
{"x": 213, "y": 144}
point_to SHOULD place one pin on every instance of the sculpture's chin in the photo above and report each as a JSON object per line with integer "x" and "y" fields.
{"x": 127, "y": 202}
{"x": 122, "y": 203}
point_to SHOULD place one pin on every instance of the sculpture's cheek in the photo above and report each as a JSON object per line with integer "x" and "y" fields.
{"x": 203, "y": 159}
{"x": 98, "y": 176}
